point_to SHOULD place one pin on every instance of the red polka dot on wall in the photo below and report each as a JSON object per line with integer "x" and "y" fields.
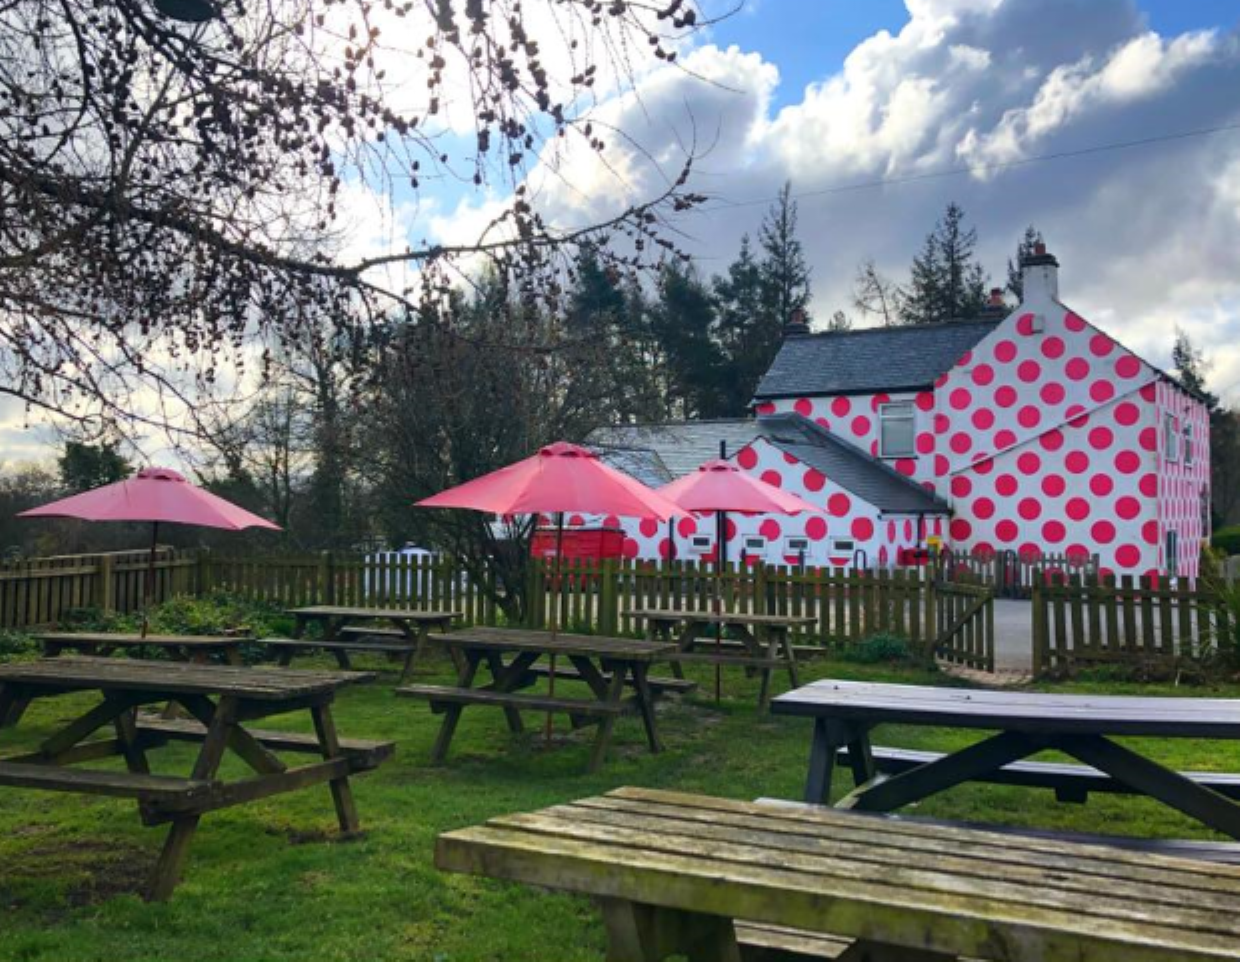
{"x": 1053, "y": 485}
{"x": 1128, "y": 556}
{"x": 1127, "y": 413}
{"x": 1102, "y": 531}
{"x": 983, "y": 375}
{"x": 1051, "y": 440}
{"x": 960, "y": 529}
{"x": 1077, "y": 369}
{"x": 1127, "y": 366}
{"x": 1148, "y": 485}
{"x": 1006, "y": 485}
{"x": 1148, "y": 392}
{"x": 1100, "y": 345}
{"x": 1127, "y": 462}
{"x": 941, "y": 465}
{"x": 1054, "y": 531}
{"x": 942, "y": 424}
{"x": 747, "y": 458}
{"x": 841, "y": 406}
{"x": 925, "y": 443}
{"x": 686, "y": 527}
{"x": 860, "y": 425}
{"x": 1101, "y": 391}
{"x": 1077, "y": 509}
{"x": 1029, "y": 371}
{"x": 1004, "y": 439}
{"x": 878, "y": 400}
{"x": 960, "y": 442}
{"x": 1006, "y": 396}
{"x": 1073, "y": 322}
{"x": 1024, "y": 325}
{"x": 1101, "y": 485}
{"x": 804, "y": 407}
{"x": 983, "y": 419}
{"x": 961, "y": 486}
{"x": 1007, "y": 531}
{"x": 1029, "y": 508}
{"x": 1029, "y": 416}
{"x": 773, "y": 477}
{"x": 984, "y": 508}
{"x": 839, "y": 504}
{"x": 816, "y": 528}
{"x": 1127, "y": 507}
{"x": 984, "y": 467}
{"x": 1101, "y": 438}
{"x": 823, "y": 423}
{"x": 1052, "y": 393}
{"x": 925, "y": 401}
{"x": 960, "y": 399}
{"x": 1052, "y": 347}
{"x": 1028, "y": 463}
{"x": 814, "y": 480}
{"x": 965, "y": 359}
{"x": 630, "y": 548}
{"x": 769, "y": 529}
{"x": 1149, "y": 532}
{"x": 789, "y": 458}
{"x": 649, "y": 527}
{"x": 1076, "y": 462}
{"x": 862, "y": 529}
{"x": 906, "y": 466}
{"x": 1005, "y": 352}
{"x": 1148, "y": 439}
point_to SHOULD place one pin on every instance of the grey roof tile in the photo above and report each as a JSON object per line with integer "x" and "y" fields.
{"x": 869, "y": 360}
{"x": 665, "y": 452}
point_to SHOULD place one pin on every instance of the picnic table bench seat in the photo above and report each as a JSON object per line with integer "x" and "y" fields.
{"x": 1070, "y": 782}
{"x": 658, "y": 685}
{"x": 364, "y": 753}
{"x": 142, "y": 786}
{"x": 361, "y": 632}
{"x": 440, "y": 696}
{"x": 684, "y": 875}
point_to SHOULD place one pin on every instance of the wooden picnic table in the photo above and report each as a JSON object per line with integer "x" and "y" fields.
{"x": 604, "y": 665}
{"x": 1081, "y": 726}
{"x": 765, "y": 640}
{"x": 220, "y": 699}
{"x": 406, "y": 638}
{"x": 717, "y": 880}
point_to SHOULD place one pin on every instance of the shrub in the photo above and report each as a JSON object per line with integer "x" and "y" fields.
{"x": 1227, "y": 540}
{"x": 879, "y": 648}
{"x": 15, "y": 643}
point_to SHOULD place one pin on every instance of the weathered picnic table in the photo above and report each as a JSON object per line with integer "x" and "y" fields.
{"x": 717, "y": 880}
{"x": 764, "y": 639}
{"x": 605, "y": 665}
{"x": 405, "y": 639}
{"x": 1081, "y": 726}
{"x": 220, "y": 700}
{"x": 178, "y": 647}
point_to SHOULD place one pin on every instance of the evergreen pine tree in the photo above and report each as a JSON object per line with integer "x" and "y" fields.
{"x": 748, "y": 333}
{"x": 1024, "y": 248}
{"x": 684, "y": 321}
{"x": 785, "y": 275}
{"x": 947, "y": 282}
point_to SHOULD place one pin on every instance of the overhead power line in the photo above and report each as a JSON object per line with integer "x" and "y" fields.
{"x": 981, "y": 168}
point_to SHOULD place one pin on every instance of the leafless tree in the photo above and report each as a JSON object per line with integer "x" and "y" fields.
{"x": 172, "y": 197}
{"x": 875, "y": 295}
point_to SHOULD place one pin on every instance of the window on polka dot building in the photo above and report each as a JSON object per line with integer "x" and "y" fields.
{"x": 896, "y": 430}
{"x": 1188, "y": 445}
{"x": 1171, "y": 437}
{"x": 843, "y": 545}
{"x": 755, "y": 545}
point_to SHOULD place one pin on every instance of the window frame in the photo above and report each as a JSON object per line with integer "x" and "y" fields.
{"x": 1186, "y": 444}
{"x": 748, "y": 546}
{"x": 1171, "y": 438}
{"x": 884, "y": 417}
{"x": 851, "y": 542}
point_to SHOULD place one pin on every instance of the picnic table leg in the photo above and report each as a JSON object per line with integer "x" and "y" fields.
{"x": 12, "y": 706}
{"x": 126, "y": 725}
{"x": 754, "y": 646}
{"x": 785, "y": 642}
{"x": 342, "y": 794}
{"x": 645, "y": 702}
{"x": 649, "y": 933}
{"x": 452, "y": 713}
{"x": 506, "y": 680}
{"x": 826, "y": 742}
{"x": 615, "y": 692}
{"x": 1150, "y": 778}
{"x": 176, "y": 845}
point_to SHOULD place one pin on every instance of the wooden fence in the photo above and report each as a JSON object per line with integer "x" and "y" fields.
{"x": 1010, "y": 573}
{"x": 1087, "y": 621}
{"x": 42, "y": 591}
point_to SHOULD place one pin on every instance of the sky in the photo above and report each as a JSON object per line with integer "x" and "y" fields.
{"x": 872, "y": 108}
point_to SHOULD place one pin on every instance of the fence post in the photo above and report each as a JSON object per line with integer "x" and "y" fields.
{"x": 105, "y": 588}
{"x": 327, "y": 579}
{"x": 1039, "y": 628}
{"x": 204, "y": 572}
{"x": 759, "y": 588}
{"x": 608, "y": 599}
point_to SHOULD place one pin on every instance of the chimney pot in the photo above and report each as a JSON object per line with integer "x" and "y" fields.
{"x": 996, "y": 296}
{"x": 796, "y": 325}
{"x": 1039, "y": 248}
{"x": 1040, "y": 275}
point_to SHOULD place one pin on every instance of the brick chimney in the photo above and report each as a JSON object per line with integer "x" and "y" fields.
{"x": 995, "y": 307}
{"x": 1039, "y": 274}
{"x": 796, "y": 325}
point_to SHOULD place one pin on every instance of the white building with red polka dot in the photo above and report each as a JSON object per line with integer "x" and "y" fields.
{"x": 1032, "y": 431}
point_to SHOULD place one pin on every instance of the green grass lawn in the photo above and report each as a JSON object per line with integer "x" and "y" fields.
{"x": 268, "y": 880}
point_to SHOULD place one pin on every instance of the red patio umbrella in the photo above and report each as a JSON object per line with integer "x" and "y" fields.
{"x": 719, "y": 487}
{"x": 156, "y": 495}
{"x": 560, "y": 478}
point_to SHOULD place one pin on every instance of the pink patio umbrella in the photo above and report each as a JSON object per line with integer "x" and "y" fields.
{"x": 719, "y": 487}
{"x": 560, "y": 478}
{"x": 156, "y": 495}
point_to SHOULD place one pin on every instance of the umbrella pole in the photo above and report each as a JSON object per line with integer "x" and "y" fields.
{"x": 721, "y": 536}
{"x": 150, "y": 579}
{"x": 555, "y": 613}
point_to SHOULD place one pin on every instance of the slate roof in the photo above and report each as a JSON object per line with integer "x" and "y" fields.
{"x": 869, "y": 360}
{"x": 848, "y": 466}
{"x": 658, "y": 453}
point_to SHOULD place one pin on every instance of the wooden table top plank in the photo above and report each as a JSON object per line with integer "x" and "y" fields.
{"x": 918, "y": 905}
{"x": 710, "y": 617}
{"x": 859, "y": 831}
{"x": 346, "y": 611}
{"x": 127, "y": 639}
{"x": 592, "y": 646}
{"x": 177, "y": 678}
{"x": 1014, "y": 711}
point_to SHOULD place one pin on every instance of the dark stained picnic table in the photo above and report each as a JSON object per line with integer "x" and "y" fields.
{"x": 718, "y": 880}
{"x": 764, "y": 638}
{"x": 180, "y": 647}
{"x": 605, "y": 666}
{"x": 406, "y": 638}
{"x": 219, "y": 699}
{"x": 1081, "y": 726}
